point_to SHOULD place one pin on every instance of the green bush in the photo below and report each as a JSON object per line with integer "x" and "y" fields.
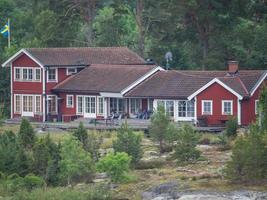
{"x": 187, "y": 139}
{"x": 248, "y": 161}
{"x": 231, "y": 127}
{"x": 31, "y": 181}
{"x": 26, "y": 134}
{"x": 150, "y": 164}
{"x": 81, "y": 135}
{"x": 115, "y": 165}
{"x": 129, "y": 142}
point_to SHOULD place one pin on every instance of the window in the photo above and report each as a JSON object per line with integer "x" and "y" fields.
{"x": 79, "y": 105}
{"x": 52, "y": 75}
{"x": 256, "y": 106}
{"x": 186, "y": 109}
{"x": 135, "y": 106}
{"x": 71, "y": 71}
{"x": 69, "y": 102}
{"x": 37, "y": 74}
{"x": 116, "y": 105}
{"x": 25, "y": 73}
{"x": 27, "y": 103}
{"x": 168, "y": 106}
{"x": 17, "y": 73}
{"x": 206, "y": 107}
{"x": 227, "y": 107}
{"x": 150, "y": 104}
{"x": 17, "y": 103}
{"x": 100, "y": 105}
{"x": 52, "y": 104}
{"x": 89, "y": 104}
{"x": 37, "y": 104}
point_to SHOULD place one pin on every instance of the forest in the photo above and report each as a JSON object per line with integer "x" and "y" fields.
{"x": 200, "y": 34}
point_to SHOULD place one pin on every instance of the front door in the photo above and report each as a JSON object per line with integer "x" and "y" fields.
{"x": 89, "y": 107}
{"x": 27, "y": 106}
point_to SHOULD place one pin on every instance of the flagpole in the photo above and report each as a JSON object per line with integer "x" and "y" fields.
{"x": 9, "y": 32}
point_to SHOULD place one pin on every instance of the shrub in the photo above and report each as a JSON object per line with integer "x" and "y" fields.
{"x": 185, "y": 150}
{"x": 81, "y": 135}
{"x": 26, "y": 134}
{"x": 75, "y": 161}
{"x": 31, "y": 181}
{"x": 161, "y": 130}
{"x": 150, "y": 164}
{"x": 115, "y": 165}
{"x": 94, "y": 142}
{"x": 129, "y": 142}
{"x": 248, "y": 161}
{"x": 231, "y": 127}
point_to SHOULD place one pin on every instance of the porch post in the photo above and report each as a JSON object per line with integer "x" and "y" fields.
{"x": 238, "y": 112}
{"x": 195, "y": 108}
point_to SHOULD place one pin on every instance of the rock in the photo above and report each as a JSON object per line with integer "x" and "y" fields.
{"x": 202, "y": 197}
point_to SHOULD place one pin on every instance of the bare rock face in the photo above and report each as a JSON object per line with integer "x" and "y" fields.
{"x": 170, "y": 191}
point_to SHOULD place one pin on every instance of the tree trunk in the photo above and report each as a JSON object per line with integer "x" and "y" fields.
{"x": 140, "y": 25}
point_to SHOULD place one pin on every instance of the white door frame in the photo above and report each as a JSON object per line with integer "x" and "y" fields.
{"x": 27, "y": 113}
{"x": 89, "y": 114}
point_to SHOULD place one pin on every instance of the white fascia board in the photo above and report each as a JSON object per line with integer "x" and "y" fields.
{"x": 140, "y": 80}
{"x": 16, "y": 55}
{"x": 215, "y": 80}
{"x": 258, "y": 83}
{"x": 110, "y": 94}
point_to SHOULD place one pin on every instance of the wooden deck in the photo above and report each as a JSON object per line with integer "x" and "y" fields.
{"x": 135, "y": 124}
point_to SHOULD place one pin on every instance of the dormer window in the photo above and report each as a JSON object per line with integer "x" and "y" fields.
{"x": 52, "y": 75}
{"x": 71, "y": 71}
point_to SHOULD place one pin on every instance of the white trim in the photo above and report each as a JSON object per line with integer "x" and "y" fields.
{"x": 37, "y": 80}
{"x": 67, "y": 101}
{"x": 43, "y": 93}
{"x": 68, "y": 73}
{"x": 11, "y": 91}
{"x": 15, "y": 103}
{"x": 16, "y": 55}
{"x": 35, "y": 110}
{"x": 258, "y": 83}
{"x": 98, "y": 106}
{"x": 186, "y": 118}
{"x": 110, "y": 94}
{"x": 14, "y": 74}
{"x": 77, "y": 105}
{"x": 195, "y": 109}
{"x": 138, "y": 81}
{"x": 239, "y": 110}
{"x": 56, "y": 74}
{"x": 227, "y": 101}
{"x": 256, "y": 110}
{"x": 215, "y": 80}
{"x": 21, "y": 79}
{"x": 202, "y": 107}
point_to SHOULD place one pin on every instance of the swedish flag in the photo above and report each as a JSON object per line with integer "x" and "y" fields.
{"x": 5, "y": 30}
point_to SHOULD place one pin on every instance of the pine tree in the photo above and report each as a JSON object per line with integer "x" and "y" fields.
{"x": 26, "y": 134}
{"x": 81, "y": 135}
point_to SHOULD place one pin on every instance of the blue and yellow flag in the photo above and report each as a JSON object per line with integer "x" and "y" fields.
{"x": 5, "y": 30}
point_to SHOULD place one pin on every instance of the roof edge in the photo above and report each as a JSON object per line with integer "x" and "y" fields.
{"x": 259, "y": 82}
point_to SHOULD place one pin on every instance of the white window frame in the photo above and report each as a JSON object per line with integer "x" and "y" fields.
{"x": 223, "y": 106}
{"x": 21, "y": 78}
{"x": 56, "y": 74}
{"x": 20, "y": 75}
{"x": 68, "y": 105}
{"x": 56, "y": 106}
{"x": 211, "y": 107}
{"x": 35, "y": 105}
{"x": 187, "y": 111}
{"x": 77, "y": 105}
{"x": 256, "y": 107}
{"x": 37, "y": 80}
{"x": 98, "y": 106}
{"x": 15, "y": 104}
{"x": 71, "y": 73}
{"x": 133, "y": 102}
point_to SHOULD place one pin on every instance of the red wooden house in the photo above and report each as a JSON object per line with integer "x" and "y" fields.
{"x": 67, "y": 83}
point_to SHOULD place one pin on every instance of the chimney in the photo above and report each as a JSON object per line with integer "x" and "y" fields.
{"x": 232, "y": 67}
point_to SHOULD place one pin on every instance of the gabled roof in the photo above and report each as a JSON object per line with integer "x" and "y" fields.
{"x": 80, "y": 56}
{"x": 187, "y": 84}
{"x": 98, "y": 78}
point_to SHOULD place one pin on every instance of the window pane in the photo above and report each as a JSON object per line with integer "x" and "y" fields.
{"x": 52, "y": 74}
{"x": 80, "y": 105}
{"x": 190, "y": 109}
{"x": 170, "y": 108}
{"x": 17, "y": 74}
{"x": 92, "y": 104}
{"x": 52, "y": 104}
{"x": 38, "y": 104}
{"x": 182, "y": 109}
{"x": 29, "y": 74}
{"x": 18, "y": 102}
{"x": 207, "y": 107}
{"x": 101, "y": 105}
{"x": 37, "y": 74}
{"x": 25, "y": 72}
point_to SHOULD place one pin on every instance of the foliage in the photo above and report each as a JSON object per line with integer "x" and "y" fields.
{"x": 26, "y": 134}
{"x": 45, "y": 159}
{"x": 129, "y": 142}
{"x": 150, "y": 164}
{"x": 248, "y": 161}
{"x": 75, "y": 160}
{"x": 231, "y": 127}
{"x": 161, "y": 130}
{"x": 32, "y": 181}
{"x": 187, "y": 139}
{"x": 94, "y": 142}
{"x": 115, "y": 165}
{"x": 81, "y": 135}
{"x": 263, "y": 108}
